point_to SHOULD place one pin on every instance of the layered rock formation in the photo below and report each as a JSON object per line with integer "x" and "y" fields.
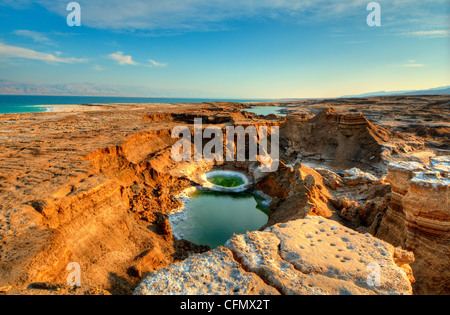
{"x": 342, "y": 139}
{"x": 296, "y": 191}
{"x": 311, "y": 256}
{"x": 360, "y": 198}
{"x": 418, "y": 219}
{"x": 87, "y": 187}
{"x": 399, "y": 176}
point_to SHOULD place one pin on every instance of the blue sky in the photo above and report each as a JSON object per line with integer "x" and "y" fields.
{"x": 229, "y": 49}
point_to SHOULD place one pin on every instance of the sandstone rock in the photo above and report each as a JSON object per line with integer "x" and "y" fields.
{"x": 426, "y": 205}
{"x": 297, "y": 191}
{"x": 330, "y": 179}
{"x": 148, "y": 261}
{"x": 337, "y": 258}
{"x": 366, "y": 207}
{"x": 311, "y": 256}
{"x": 336, "y": 137}
{"x": 393, "y": 227}
{"x": 418, "y": 220}
{"x": 350, "y": 210}
{"x": 403, "y": 259}
{"x": 163, "y": 226}
{"x": 4, "y": 290}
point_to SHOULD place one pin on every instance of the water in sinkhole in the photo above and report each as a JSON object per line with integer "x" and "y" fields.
{"x": 229, "y": 181}
{"x": 212, "y": 217}
{"x": 266, "y": 110}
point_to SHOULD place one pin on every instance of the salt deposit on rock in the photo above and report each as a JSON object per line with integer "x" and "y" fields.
{"x": 441, "y": 163}
{"x": 355, "y": 177}
{"x": 410, "y": 166}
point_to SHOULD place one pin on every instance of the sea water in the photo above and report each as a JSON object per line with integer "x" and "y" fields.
{"x": 27, "y": 103}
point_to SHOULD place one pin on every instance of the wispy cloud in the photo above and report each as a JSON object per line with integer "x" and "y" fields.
{"x": 122, "y": 59}
{"x": 430, "y": 34}
{"x": 25, "y": 53}
{"x": 98, "y": 68}
{"x": 17, "y": 4}
{"x": 411, "y": 64}
{"x": 153, "y": 63}
{"x": 35, "y": 36}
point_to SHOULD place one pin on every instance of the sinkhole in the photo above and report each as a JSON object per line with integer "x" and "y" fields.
{"x": 266, "y": 110}
{"x": 221, "y": 208}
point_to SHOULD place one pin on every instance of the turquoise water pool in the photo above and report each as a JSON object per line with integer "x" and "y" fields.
{"x": 266, "y": 110}
{"x": 211, "y": 218}
{"x": 226, "y": 181}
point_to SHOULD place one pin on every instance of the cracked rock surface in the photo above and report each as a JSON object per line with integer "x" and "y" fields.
{"x": 310, "y": 256}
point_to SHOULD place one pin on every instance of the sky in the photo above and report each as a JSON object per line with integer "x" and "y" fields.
{"x": 266, "y": 49}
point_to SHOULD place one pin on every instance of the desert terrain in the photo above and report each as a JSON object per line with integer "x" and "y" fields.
{"x": 360, "y": 180}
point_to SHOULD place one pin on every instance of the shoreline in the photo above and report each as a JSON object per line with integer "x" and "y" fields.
{"x": 11, "y": 104}
{"x": 54, "y": 109}
{"x": 69, "y": 108}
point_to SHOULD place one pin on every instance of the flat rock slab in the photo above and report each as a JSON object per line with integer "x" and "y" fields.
{"x": 311, "y": 256}
{"x": 332, "y": 259}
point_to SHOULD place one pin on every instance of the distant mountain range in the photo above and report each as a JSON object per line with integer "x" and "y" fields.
{"x": 90, "y": 89}
{"x": 443, "y": 90}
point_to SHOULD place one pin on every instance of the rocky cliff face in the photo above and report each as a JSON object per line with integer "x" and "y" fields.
{"x": 105, "y": 220}
{"x": 94, "y": 188}
{"x": 87, "y": 192}
{"x": 311, "y": 256}
{"x": 360, "y": 197}
{"x": 296, "y": 191}
{"x": 343, "y": 139}
{"x": 418, "y": 219}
